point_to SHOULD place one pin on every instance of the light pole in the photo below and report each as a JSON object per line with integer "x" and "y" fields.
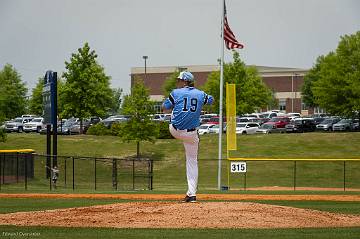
{"x": 293, "y": 94}
{"x": 145, "y": 58}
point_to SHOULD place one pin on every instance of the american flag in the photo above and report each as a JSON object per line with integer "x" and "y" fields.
{"x": 229, "y": 37}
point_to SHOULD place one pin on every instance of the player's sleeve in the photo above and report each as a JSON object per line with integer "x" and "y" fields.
{"x": 169, "y": 102}
{"x": 208, "y": 99}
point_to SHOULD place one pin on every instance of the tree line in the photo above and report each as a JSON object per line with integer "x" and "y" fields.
{"x": 83, "y": 90}
{"x": 333, "y": 83}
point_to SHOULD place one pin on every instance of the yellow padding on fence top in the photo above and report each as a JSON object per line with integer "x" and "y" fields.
{"x": 293, "y": 159}
{"x": 17, "y": 151}
{"x": 231, "y": 117}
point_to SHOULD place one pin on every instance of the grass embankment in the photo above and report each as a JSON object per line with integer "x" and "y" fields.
{"x": 169, "y": 167}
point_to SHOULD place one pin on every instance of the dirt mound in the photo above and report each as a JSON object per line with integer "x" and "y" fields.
{"x": 182, "y": 215}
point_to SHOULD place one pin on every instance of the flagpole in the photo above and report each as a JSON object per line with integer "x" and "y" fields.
{"x": 221, "y": 96}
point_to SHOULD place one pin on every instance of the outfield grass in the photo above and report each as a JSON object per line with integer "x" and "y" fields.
{"x": 169, "y": 166}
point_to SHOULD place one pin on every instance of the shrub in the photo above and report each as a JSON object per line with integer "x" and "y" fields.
{"x": 2, "y": 135}
{"x": 116, "y": 129}
{"x": 164, "y": 132}
{"x": 98, "y": 129}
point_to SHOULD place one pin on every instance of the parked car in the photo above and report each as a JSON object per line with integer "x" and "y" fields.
{"x": 167, "y": 118}
{"x": 215, "y": 129}
{"x": 206, "y": 118}
{"x": 356, "y": 125}
{"x": 35, "y": 125}
{"x": 280, "y": 121}
{"x": 158, "y": 117}
{"x": 114, "y": 119}
{"x": 294, "y": 114}
{"x": 17, "y": 125}
{"x": 75, "y": 128}
{"x": 204, "y": 128}
{"x": 271, "y": 114}
{"x": 318, "y": 120}
{"x": 344, "y": 125}
{"x": 215, "y": 120}
{"x": 246, "y": 128}
{"x": 65, "y": 128}
{"x": 301, "y": 125}
{"x": 269, "y": 128}
{"x": 327, "y": 124}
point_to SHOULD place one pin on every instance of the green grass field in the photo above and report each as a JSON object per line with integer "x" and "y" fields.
{"x": 169, "y": 165}
{"x": 169, "y": 177}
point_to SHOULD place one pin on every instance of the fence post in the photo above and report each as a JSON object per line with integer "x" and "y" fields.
{"x": 17, "y": 167}
{"x": 114, "y": 174}
{"x": 245, "y": 178}
{"x": 26, "y": 163}
{"x": 95, "y": 173}
{"x": 344, "y": 176}
{"x": 65, "y": 172}
{"x": 133, "y": 174}
{"x": 150, "y": 174}
{"x": 1, "y": 159}
{"x": 294, "y": 175}
{"x": 73, "y": 173}
{"x": 3, "y": 172}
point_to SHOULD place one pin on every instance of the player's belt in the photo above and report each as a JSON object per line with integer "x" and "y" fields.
{"x": 188, "y": 130}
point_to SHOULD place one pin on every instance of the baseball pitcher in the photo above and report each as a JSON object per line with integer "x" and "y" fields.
{"x": 186, "y": 103}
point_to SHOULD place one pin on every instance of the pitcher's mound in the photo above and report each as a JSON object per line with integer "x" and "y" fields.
{"x": 182, "y": 215}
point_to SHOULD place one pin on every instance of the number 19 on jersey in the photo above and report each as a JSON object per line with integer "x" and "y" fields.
{"x": 238, "y": 167}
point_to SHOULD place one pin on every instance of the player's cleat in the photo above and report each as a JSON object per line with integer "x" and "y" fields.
{"x": 189, "y": 199}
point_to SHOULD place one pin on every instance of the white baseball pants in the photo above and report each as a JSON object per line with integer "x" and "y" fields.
{"x": 191, "y": 145}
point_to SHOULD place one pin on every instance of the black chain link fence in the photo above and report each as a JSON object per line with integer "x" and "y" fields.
{"x": 74, "y": 172}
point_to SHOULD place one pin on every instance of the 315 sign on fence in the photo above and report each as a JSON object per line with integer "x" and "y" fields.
{"x": 238, "y": 167}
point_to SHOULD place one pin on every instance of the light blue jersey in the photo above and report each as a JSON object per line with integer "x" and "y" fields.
{"x": 187, "y": 104}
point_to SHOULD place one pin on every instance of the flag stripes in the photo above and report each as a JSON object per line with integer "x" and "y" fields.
{"x": 229, "y": 37}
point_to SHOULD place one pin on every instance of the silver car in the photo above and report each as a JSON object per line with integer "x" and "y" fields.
{"x": 327, "y": 124}
{"x": 17, "y": 125}
{"x": 344, "y": 125}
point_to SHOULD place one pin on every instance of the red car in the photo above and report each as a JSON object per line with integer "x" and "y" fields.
{"x": 279, "y": 122}
{"x": 215, "y": 120}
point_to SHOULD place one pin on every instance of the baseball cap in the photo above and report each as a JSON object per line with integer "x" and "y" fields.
{"x": 186, "y": 76}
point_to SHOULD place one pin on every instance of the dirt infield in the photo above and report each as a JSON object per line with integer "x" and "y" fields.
{"x": 165, "y": 211}
{"x": 182, "y": 215}
{"x": 201, "y": 197}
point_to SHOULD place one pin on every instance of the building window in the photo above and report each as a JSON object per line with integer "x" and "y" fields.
{"x": 282, "y": 104}
{"x": 304, "y": 106}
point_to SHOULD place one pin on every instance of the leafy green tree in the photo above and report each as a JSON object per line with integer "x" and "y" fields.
{"x": 36, "y": 100}
{"x": 12, "y": 93}
{"x": 138, "y": 106}
{"x": 170, "y": 83}
{"x": 337, "y": 87}
{"x": 309, "y": 80}
{"x": 117, "y": 99}
{"x": 251, "y": 92}
{"x": 86, "y": 91}
{"x": 3, "y": 135}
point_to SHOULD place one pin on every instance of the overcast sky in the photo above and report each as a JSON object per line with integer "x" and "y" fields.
{"x": 37, "y": 35}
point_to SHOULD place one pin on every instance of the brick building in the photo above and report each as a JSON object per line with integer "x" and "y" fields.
{"x": 286, "y": 83}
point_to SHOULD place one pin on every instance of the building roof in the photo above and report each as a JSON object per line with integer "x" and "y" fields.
{"x": 263, "y": 70}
